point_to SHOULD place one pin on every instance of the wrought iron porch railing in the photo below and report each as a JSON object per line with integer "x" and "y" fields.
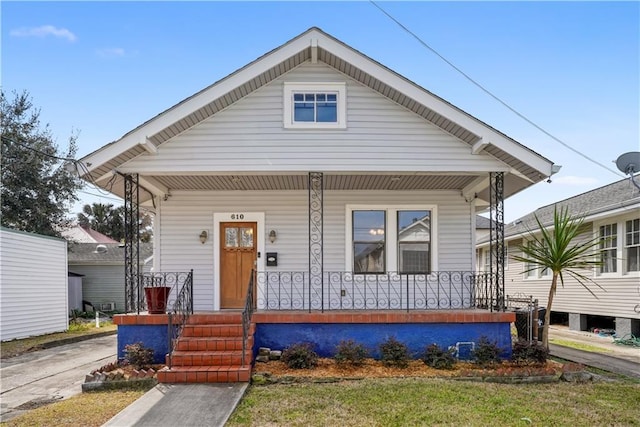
{"x": 389, "y": 291}
{"x": 175, "y": 281}
{"x": 247, "y": 312}
{"x": 179, "y": 314}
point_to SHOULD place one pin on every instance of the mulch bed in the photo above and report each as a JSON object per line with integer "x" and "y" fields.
{"x": 327, "y": 368}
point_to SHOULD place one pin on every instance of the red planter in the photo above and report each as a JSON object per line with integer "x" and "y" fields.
{"x": 157, "y": 298}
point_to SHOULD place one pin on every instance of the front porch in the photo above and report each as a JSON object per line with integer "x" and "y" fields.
{"x": 210, "y": 347}
{"x": 282, "y": 308}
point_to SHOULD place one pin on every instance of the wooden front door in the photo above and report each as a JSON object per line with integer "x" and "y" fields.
{"x": 237, "y": 259}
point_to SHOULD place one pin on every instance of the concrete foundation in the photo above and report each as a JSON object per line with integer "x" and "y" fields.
{"x": 626, "y": 326}
{"x": 577, "y": 322}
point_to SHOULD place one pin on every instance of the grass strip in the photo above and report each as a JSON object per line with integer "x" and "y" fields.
{"x": 429, "y": 401}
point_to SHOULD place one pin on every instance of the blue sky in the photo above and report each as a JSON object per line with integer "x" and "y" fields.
{"x": 103, "y": 68}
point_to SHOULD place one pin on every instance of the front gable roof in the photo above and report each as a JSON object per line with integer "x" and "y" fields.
{"x": 316, "y": 45}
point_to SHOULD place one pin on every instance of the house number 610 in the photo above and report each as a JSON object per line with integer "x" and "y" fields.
{"x": 237, "y": 216}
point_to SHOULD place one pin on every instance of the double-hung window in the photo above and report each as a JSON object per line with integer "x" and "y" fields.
{"x": 315, "y": 105}
{"x": 369, "y": 244}
{"x": 632, "y": 244}
{"x": 391, "y": 240}
{"x": 414, "y": 241}
{"x": 608, "y": 248}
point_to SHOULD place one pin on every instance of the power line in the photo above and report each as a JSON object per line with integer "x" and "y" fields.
{"x": 101, "y": 196}
{"x": 485, "y": 90}
{"x": 81, "y": 169}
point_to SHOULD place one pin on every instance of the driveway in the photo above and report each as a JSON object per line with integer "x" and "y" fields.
{"x": 33, "y": 379}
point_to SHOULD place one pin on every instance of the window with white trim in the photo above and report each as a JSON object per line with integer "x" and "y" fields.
{"x": 315, "y": 106}
{"x": 391, "y": 240}
{"x": 369, "y": 245}
{"x": 533, "y": 270}
{"x": 487, "y": 259}
{"x": 632, "y": 244}
{"x": 414, "y": 241}
{"x": 608, "y": 248}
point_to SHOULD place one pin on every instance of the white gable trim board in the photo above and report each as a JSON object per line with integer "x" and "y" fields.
{"x": 312, "y": 41}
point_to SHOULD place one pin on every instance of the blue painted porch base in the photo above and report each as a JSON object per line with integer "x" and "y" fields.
{"x": 151, "y": 336}
{"x": 326, "y": 336}
{"x": 416, "y": 336}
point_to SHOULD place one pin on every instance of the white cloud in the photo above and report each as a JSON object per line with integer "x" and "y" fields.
{"x": 111, "y": 52}
{"x": 44, "y": 31}
{"x": 574, "y": 180}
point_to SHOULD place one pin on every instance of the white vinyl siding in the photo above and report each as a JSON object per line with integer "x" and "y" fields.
{"x": 34, "y": 285}
{"x": 102, "y": 284}
{"x": 618, "y": 296}
{"x": 249, "y": 136}
{"x": 186, "y": 214}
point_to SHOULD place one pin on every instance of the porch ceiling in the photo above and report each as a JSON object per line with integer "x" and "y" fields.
{"x": 299, "y": 182}
{"x": 293, "y": 182}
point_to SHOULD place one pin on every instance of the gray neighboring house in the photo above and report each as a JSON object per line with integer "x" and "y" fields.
{"x": 611, "y": 212}
{"x": 102, "y": 267}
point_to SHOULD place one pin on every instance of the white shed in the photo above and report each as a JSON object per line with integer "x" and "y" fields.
{"x": 33, "y": 285}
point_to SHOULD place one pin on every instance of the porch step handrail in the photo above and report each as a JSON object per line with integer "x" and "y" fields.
{"x": 247, "y": 313}
{"x": 179, "y": 314}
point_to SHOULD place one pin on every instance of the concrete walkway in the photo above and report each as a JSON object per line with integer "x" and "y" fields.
{"x": 40, "y": 377}
{"x": 597, "y": 360}
{"x": 184, "y": 405}
{"x": 605, "y": 354}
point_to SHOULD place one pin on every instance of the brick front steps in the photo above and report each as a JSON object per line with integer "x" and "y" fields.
{"x": 209, "y": 350}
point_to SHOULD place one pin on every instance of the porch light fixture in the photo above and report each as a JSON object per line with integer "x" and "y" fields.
{"x": 272, "y": 236}
{"x": 203, "y": 236}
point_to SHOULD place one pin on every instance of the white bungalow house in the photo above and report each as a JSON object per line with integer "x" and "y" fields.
{"x": 611, "y": 212}
{"x": 307, "y": 166}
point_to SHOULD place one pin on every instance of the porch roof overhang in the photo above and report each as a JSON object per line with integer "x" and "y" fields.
{"x": 524, "y": 166}
{"x": 465, "y": 183}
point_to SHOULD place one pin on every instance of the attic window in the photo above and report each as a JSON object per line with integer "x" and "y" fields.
{"x": 314, "y": 105}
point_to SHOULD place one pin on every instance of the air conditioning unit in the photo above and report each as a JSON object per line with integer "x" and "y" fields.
{"x": 108, "y": 306}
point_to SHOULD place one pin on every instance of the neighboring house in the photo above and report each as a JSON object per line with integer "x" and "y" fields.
{"x": 33, "y": 285}
{"x": 102, "y": 269}
{"x": 309, "y": 165}
{"x": 80, "y": 234}
{"x": 613, "y": 213}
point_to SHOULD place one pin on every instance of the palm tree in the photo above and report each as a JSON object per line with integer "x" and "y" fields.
{"x": 554, "y": 249}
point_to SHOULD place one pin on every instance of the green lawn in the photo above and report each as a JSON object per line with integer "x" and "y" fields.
{"x": 428, "y": 401}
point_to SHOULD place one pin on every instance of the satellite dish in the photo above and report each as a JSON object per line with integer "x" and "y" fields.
{"x": 100, "y": 249}
{"x": 629, "y": 164}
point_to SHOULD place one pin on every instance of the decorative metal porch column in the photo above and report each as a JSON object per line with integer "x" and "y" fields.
{"x": 496, "y": 200}
{"x": 316, "y": 231}
{"x": 131, "y": 244}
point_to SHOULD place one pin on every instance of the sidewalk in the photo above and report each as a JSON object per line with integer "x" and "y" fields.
{"x": 606, "y": 355}
{"x": 186, "y": 405}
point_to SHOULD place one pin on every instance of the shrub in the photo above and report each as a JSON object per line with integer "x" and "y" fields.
{"x": 350, "y": 352}
{"x": 394, "y": 353}
{"x": 438, "y": 358}
{"x": 300, "y": 356}
{"x": 138, "y": 355}
{"x": 529, "y": 352}
{"x": 486, "y": 353}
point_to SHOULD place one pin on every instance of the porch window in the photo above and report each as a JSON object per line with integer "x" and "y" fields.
{"x": 414, "y": 241}
{"x": 632, "y": 244}
{"x": 369, "y": 243}
{"x": 608, "y": 248}
{"x": 315, "y": 105}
